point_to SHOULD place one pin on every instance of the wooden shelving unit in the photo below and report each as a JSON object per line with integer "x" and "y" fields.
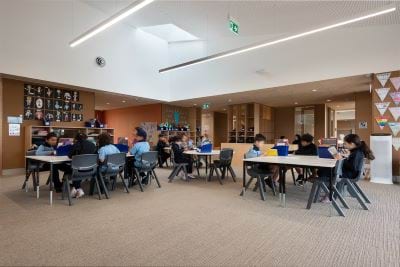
{"x": 190, "y": 116}
{"x": 37, "y": 134}
{"x": 245, "y": 120}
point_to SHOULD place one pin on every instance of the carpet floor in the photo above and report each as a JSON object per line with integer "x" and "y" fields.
{"x": 196, "y": 224}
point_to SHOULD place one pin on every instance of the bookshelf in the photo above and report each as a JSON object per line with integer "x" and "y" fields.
{"x": 244, "y": 120}
{"x": 36, "y": 134}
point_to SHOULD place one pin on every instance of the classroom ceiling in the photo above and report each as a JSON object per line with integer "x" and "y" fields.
{"x": 332, "y": 91}
{"x": 336, "y": 93}
{"x": 208, "y": 19}
{"x": 107, "y": 101}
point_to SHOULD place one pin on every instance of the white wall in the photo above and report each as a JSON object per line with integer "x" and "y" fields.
{"x": 35, "y": 37}
{"x": 332, "y": 54}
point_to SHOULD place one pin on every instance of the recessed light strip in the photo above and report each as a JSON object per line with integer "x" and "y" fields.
{"x": 244, "y": 49}
{"x": 129, "y": 10}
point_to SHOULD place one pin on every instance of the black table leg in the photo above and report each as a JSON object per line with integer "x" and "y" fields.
{"x": 331, "y": 190}
{"x": 51, "y": 182}
{"x": 244, "y": 179}
{"x": 280, "y": 184}
{"x": 284, "y": 186}
{"x": 206, "y": 164}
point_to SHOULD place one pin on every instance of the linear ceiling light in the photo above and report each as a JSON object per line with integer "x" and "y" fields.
{"x": 244, "y": 49}
{"x": 132, "y": 8}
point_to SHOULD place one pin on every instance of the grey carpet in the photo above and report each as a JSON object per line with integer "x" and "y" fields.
{"x": 196, "y": 224}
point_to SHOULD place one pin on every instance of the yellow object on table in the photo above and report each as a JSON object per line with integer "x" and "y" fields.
{"x": 272, "y": 152}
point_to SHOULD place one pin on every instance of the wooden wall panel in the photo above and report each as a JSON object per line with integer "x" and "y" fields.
{"x": 284, "y": 122}
{"x": 13, "y": 97}
{"x": 1, "y": 125}
{"x": 220, "y": 128}
{"x": 364, "y": 113}
{"x": 320, "y": 121}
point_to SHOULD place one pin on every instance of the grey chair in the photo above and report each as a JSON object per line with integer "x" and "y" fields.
{"x": 177, "y": 168}
{"x": 160, "y": 160}
{"x": 84, "y": 167}
{"x": 320, "y": 183}
{"x": 255, "y": 173}
{"x": 351, "y": 186}
{"x": 31, "y": 169}
{"x": 222, "y": 164}
{"x": 148, "y": 163}
{"x": 229, "y": 165}
{"x": 115, "y": 167}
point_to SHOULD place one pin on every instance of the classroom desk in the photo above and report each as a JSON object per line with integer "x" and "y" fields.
{"x": 207, "y": 155}
{"x": 295, "y": 161}
{"x": 52, "y": 160}
{"x": 242, "y": 148}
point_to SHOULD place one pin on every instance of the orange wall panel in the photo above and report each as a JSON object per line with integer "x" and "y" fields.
{"x": 125, "y": 120}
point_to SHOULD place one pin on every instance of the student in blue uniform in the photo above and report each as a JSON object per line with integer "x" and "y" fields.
{"x": 141, "y": 146}
{"x": 105, "y": 148}
{"x": 255, "y": 151}
{"x": 49, "y": 149}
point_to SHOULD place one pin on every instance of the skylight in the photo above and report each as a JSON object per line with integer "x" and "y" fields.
{"x": 169, "y": 32}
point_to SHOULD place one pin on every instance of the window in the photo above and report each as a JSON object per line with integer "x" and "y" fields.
{"x": 304, "y": 120}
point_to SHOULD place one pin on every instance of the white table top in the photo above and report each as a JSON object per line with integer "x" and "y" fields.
{"x": 58, "y": 159}
{"x": 195, "y": 152}
{"x": 312, "y": 161}
{"x": 50, "y": 159}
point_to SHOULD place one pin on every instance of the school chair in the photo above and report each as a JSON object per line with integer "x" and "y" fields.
{"x": 115, "y": 166}
{"x": 222, "y": 164}
{"x": 255, "y": 173}
{"x": 84, "y": 167}
{"x": 148, "y": 163}
{"x": 354, "y": 190}
{"x": 177, "y": 168}
{"x": 321, "y": 183}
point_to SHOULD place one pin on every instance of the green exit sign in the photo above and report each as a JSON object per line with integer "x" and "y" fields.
{"x": 206, "y": 106}
{"x": 233, "y": 26}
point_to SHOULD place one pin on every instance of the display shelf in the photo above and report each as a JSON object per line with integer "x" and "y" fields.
{"x": 32, "y": 136}
{"x": 245, "y": 120}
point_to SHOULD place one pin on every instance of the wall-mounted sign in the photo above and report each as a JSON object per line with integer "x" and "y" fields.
{"x": 14, "y": 119}
{"x": 205, "y": 106}
{"x": 363, "y": 125}
{"x": 233, "y": 26}
{"x": 14, "y": 129}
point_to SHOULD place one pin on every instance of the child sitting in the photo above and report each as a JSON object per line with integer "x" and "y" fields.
{"x": 255, "y": 151}
{"x": 161, "y": 145}
{"x": 49, "y": 149}
{"x": 180, "y": 157}
{"x": 306, "y": 148}
{"x": 141, "y": 146}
